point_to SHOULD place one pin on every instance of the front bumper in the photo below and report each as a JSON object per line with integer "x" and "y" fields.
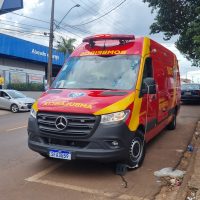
{"x": 190, "y": 98}
{"x": 98, "y": 146}
{"x": 24, "y": 107}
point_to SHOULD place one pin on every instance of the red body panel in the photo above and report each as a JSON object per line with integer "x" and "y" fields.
{"x": 134, "y": 47}
{"x": 89, "y": 103}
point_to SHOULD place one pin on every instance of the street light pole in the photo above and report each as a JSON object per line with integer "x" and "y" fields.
{"x": 77, "y": 5}
{"x": 51, "y": 36}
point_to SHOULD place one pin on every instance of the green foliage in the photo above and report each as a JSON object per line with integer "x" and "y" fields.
{"x": 182, "y": 18}
{"x": 26, "y": 86}
{"x": 66, "y": 45}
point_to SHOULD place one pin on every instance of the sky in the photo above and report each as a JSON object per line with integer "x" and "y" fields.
{"x": 91, "y": 17}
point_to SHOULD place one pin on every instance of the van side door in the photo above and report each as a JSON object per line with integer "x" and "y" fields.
{"x": 161, "y": 77}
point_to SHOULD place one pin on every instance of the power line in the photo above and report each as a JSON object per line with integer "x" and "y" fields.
{"x": 75, "y": 28}
{"x": 92, "y": 11}
{"x": 60, "y": 22}
{"x": 101, "y": 15}
{"x": 39, "y": 27}
{"x": 48, "y": 23}
{"x": 71, "y": 33}
{"x": 30, "y": 18}
{"x": 20, "y": 31}
{"x": 110, "y": 19}
{"x": 21, "y": 28}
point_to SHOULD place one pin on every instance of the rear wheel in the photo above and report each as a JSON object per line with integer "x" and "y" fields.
{"x": 14, "y": 108}
{"x": 172, "y": 124}
{"x": 136, "y": 151}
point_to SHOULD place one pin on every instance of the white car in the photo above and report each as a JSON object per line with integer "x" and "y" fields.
{"x": 15, "y": 101}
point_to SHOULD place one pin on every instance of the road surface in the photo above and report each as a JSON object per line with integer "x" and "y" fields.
{"x": 26, "y": 175}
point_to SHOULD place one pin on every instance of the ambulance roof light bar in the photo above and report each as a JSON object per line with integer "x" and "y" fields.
{"x": 122, "y": 38}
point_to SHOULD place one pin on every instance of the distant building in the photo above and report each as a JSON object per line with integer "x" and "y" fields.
{"x": 22, "y": 61}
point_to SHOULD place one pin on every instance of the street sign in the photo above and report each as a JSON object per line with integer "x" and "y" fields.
{"x": 10, "y": 5}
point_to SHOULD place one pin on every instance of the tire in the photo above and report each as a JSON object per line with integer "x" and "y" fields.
{"x": 44, "y": 155}
{"x": 14, "y": 108}
{"x": 136, "y": 151}
{"x": 172, "y": 124}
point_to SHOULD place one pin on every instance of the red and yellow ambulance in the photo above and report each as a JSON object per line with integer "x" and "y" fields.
{"x": 112, "y": 96}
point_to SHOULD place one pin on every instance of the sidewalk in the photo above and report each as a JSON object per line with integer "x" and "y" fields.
{"x": 190, "y": 187}
{"x": 194, "y": 183}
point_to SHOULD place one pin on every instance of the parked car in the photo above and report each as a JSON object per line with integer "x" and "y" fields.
{"x": 190, "y": 93}
{"x": 15, "y": 101}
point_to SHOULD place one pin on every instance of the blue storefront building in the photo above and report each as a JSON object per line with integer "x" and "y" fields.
{"x": 22, "y": 61}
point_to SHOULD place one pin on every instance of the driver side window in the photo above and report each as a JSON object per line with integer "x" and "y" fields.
{"x": 3, "y": 94}
{"x": 147, "y": 73}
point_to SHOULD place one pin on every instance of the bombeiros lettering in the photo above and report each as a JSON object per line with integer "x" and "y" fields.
{"x": 105, "y": 52}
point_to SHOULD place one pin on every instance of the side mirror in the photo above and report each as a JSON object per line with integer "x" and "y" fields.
{"x": 149, "y": 86}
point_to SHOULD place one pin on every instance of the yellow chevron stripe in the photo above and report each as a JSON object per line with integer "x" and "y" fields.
{"x": 118, "y": 106}
{"x": 35, "y": 106}
{"x": 175, "y": 82}
{"x": 134, "y": 122}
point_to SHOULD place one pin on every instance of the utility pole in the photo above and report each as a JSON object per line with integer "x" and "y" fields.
{"x": 51, "y": 37}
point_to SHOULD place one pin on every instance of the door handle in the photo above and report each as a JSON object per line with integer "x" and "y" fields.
{"x": 153, "y": 97}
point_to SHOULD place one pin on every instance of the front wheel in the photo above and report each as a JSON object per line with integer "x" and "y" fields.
{"x": 14, "y": 108}
{"x": 136, "y": 151}
{"x": 44, "y": 155}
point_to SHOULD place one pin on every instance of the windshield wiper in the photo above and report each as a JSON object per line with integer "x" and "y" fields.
{"x": 85, "y": 88}
{"x": 96, "y": 89}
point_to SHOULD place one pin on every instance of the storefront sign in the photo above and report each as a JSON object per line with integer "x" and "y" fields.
{"x": 10, "y": 5}
{"x": 11, "y": 46}
{"x": 35, "y": 78}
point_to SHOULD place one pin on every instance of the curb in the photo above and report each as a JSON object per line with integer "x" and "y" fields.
{"x": 190, "y": 187}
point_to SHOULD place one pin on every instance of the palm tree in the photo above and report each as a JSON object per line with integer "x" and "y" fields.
{"x": 66, "y": 45}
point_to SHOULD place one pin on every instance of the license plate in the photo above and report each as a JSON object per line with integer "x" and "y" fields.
{"x": 188, "y": 93}
{"x": 61, "y": 154}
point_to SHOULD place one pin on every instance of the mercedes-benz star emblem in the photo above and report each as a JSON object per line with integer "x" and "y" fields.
{"x": 61, "y": 123}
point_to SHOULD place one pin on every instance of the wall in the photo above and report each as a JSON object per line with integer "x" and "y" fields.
{"x": 15, "y": 71}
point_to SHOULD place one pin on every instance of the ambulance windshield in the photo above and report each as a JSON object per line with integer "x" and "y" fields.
{"x": 117, "y": 72}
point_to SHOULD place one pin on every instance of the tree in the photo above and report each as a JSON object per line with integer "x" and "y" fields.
{"x": 182, "y": 18}
{"x": 66, "y": 45}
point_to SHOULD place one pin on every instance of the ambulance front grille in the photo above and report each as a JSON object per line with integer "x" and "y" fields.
{"x": 78, "y": 125}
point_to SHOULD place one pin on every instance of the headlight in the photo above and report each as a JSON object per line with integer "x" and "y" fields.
{"x": 115, "y": 117}
{"x": 33, "y": 113}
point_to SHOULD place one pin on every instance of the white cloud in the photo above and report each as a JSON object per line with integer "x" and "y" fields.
{"x": 132, "y": 17}
{"x": 31, "y": 6}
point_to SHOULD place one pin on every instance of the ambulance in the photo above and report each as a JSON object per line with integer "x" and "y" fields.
{"x": 112, "y": 96}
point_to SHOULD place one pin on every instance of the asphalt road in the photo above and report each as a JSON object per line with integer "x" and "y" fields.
{"x": 25, "y": 175}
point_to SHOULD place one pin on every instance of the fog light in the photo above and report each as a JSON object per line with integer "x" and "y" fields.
{"x": 114, "y": 143}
